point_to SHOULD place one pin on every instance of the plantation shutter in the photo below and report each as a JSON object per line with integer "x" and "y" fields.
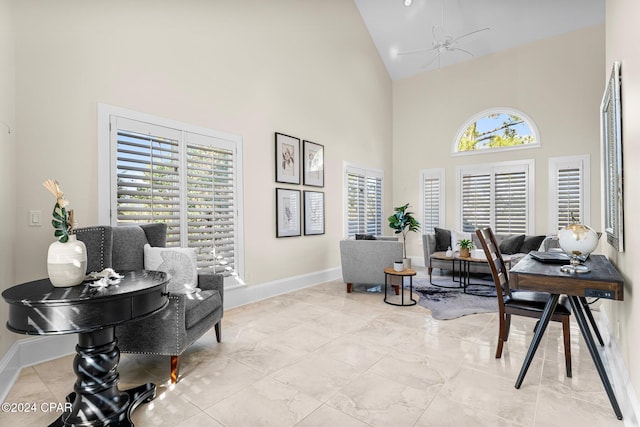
{"x": 183, "y": 179}
{"x": 147, "y": 176}
{"x": 476, "y": 201}
{"x": 364, "y": 202}
{"x": 431, "y": 204}
{"x": 497, "y": 197}
{"x": 569, "y": 183}
{"x": 511, "y": 202}
{"x": 210, "y": 203}
{"x": 374, "y": 206}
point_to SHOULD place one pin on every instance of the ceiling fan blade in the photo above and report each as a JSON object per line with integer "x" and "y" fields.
{"x": 431, "y": 61}
{"x": 411, "y": 52}
{"x": 462, "y": 50}
{"x": 437, "y": 31}
{"x": 472, "y": 32}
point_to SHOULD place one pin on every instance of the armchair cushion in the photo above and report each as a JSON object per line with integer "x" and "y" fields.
{"x": 531, "y": 243}
{"x": 443, "y": 239}
{"x": 365, "y": 237}
{"x": 180, "y": 263}
{"x": 511, "y": 244}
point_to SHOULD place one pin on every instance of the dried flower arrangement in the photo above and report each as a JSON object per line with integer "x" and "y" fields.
{"x": 62, "y": 218}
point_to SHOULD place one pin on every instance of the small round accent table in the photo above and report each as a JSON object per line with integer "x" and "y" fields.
{"x": 399, "y": 274}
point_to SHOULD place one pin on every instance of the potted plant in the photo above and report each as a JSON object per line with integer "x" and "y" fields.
{"x": 402, "y": 221}
{"x": 465, "y": 247}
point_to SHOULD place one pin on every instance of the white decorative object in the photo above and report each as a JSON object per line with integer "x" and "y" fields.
{"x": 578, "y": 241}
{"x": 398, "y": 266}
{"x": 104, "y": 278}
{"x": 449, "y": 253}
{"x": 67, "y": 262}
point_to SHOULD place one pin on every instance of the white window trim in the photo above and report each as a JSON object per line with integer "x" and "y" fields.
{"x": 499, "y": 110}
{"x": 106, "y": 159}
{"x": 368, "y": 171}
{"x": 499, "y": 167}
{"x": 438, "y": 173}
{"x": 557, "y": 163}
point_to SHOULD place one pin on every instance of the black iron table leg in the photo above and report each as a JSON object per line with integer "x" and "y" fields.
{"x": 576, "y": 306}
{"x": 537, "y": 337}
{"x": 594, "y": 325}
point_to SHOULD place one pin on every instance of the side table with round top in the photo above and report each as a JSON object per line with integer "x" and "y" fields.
{"x": 39, "y": 308}
{"x": 390, "y": 272}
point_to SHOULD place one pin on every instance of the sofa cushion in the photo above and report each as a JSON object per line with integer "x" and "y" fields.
{"x": 443, "y": 239}
{"x": 531, "y": 243}
{"x": 365, "y": 237}
{"x": 200, "y": 307}
{"x": 180, "y": 263}
{"x": 512, "y": 244}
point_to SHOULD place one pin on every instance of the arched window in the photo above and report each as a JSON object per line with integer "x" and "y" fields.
{"x": 496, "y": 129}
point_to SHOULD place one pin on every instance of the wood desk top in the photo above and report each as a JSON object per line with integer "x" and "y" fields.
{"x": 603, "y": 281}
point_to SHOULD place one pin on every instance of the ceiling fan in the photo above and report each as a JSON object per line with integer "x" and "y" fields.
{"x": 443, "y": 43}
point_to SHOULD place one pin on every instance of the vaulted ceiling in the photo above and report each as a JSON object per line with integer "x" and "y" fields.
{"x": 395, "y": 27}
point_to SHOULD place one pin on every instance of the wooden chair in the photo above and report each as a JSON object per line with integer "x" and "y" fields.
{"x": 520, "y": 303}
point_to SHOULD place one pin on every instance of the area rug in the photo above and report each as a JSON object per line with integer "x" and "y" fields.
{"x": 451, "y": 302}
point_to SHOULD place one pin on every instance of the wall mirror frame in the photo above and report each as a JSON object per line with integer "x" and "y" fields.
{"x": 611, "y": 141}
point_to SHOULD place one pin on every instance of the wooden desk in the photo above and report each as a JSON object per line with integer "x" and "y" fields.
{"x": 603, "y": 281}
{"x": 38, "y": 308}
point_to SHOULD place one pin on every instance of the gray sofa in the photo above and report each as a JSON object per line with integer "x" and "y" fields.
{"x": 172, "y": 330}
{"x": 364, "y": 261}
{"x": 514, "y": 247}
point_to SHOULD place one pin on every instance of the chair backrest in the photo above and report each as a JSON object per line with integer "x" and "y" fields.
{"x": 496, "y": 263}
{"x": 121, "y": 248}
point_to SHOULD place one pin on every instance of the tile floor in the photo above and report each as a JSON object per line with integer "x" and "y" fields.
{"x": 322, "y": 357}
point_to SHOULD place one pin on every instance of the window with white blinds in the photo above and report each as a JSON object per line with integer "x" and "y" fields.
{"x": 568, "y": 193}
{"x": 433, "y": 199}
{"x": 184, "y": 178}
{"x": 363, "y": 201}
{"x": 497, "y": 196}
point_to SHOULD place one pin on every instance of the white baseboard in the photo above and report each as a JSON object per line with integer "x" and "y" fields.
{"x": 618, "y": 373}
{"x": 31, "y": 351}
{"x": 246, "y": 294}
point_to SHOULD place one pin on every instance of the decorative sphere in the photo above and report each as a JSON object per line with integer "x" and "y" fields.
{"x": 578, "y": 239}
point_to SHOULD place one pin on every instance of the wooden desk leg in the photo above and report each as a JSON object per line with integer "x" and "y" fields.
{"x": 577, "y": 308}
{"x": 537, "y": 337}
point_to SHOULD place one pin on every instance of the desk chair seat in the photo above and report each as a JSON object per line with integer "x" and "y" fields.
{"x": 520, "y": 303}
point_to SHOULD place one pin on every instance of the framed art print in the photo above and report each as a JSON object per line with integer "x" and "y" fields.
{"x": 288, "y": 209}
{"x": 313, "y": 164}
{"x": 313, "y": 213}
{"x": 287, "y": 159}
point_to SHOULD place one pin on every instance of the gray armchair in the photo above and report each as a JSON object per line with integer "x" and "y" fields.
{"x": 186, "y": 318}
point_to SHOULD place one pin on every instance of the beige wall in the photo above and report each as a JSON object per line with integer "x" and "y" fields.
{"x": 252, "y": 68}
{"x": 621, "y": 45}
{"x": 7, "y": 163}
{"x": 556, "y": 82}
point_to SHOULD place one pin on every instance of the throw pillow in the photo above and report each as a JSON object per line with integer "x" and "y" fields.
{"x": 531, "y": 243}
{"x": 511, "y": 245}
{"x": 457, "y": 236}
{"x": 179, "y": 263}
{"x": 443, "y": 239}
{"x": 365, "y": 237}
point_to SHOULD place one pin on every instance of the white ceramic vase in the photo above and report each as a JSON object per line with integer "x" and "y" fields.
{"x": 67, "y": 262}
